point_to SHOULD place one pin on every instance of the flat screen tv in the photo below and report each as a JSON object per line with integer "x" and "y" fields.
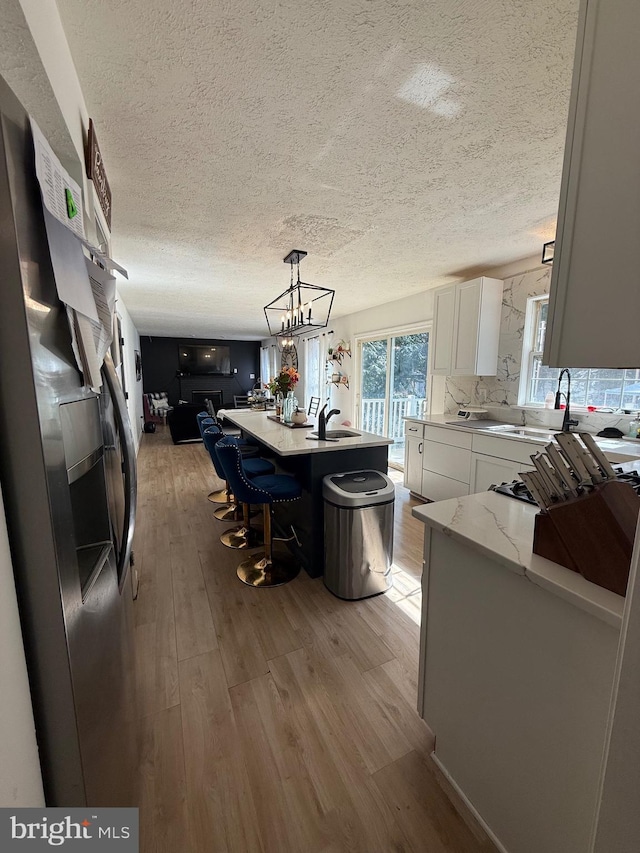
{"x": 204, "y": 360}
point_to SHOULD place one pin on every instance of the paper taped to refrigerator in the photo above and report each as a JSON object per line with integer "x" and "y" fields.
{"x": 61, "y": 195}
{"x": 69, "y": 268}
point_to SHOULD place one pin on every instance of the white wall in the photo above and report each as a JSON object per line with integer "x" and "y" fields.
{"x": 133, "y": 387}
{"x": 20, "y": 779}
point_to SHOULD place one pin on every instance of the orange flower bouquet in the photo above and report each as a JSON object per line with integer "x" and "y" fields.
{"x": 285, "y": 381}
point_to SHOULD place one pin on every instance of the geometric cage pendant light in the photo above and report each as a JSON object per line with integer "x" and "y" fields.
{"x": 301, "y": 307}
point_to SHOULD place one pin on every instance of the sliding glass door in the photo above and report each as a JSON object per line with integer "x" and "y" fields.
{"x": 393, "y": 384}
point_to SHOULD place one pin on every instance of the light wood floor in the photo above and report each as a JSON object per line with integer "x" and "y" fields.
{"x": 275, "y": 720}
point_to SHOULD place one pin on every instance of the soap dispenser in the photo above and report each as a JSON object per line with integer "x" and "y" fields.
{"x": 634, "y": 427}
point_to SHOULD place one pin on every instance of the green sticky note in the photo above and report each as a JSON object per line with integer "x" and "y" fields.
{"x": 72, "y": 210}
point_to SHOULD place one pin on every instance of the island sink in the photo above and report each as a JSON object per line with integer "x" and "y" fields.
{"x": 338, "y": 433}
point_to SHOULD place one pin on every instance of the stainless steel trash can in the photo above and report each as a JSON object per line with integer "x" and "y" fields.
{"x": 358, "y": 533}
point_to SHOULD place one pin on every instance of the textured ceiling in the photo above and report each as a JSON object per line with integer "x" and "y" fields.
{"x": 398, "y": 142}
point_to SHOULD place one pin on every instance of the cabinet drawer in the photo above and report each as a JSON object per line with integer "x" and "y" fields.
{"x": 505, "y": 448}
{"x": 439, "y": 488}
{"x": 448, "y": 436}
{"x": 413, "y": 428}
{"x": 454, "y": 462}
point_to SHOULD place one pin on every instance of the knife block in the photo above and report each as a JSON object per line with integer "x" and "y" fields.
{"x": 592, "y": 534}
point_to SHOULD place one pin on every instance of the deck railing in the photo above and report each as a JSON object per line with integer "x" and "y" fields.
{"x": 401, "y": 407}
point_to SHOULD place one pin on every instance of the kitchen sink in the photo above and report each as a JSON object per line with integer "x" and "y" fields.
{"x": 339, "y": 433}
{"x": 529, "y": 432}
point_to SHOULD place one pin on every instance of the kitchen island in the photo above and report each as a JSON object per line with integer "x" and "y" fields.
{"x": 295, "y": 451}
{"x": 517, "y": 660}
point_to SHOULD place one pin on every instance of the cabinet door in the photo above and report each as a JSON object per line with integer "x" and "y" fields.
{"x": 465, "y": 334}
{"x": 439, "y": 488}
{"x": 443, "y": 319}
{"x": 413, "y": 464}
{"x": 594, "y": 301}
{"x": 488, "y": 471}
{"x": 445, "y": 459}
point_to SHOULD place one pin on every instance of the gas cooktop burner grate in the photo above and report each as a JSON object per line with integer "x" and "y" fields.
{"x": 517, "y": 489}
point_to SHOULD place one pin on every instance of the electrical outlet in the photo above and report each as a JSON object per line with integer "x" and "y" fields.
{"x": 235, "y": 369}
{"x": 482, "y": 395}
{"x": 252, "y": 376}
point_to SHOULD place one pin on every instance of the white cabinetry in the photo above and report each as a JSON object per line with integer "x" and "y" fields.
{"x": 466, "y": 328}
{"x": 488, "y": 471}
{"x": 498, "y": 460}
{"x": 441, "y": 463}
{"x": 594, "y": 298}
{"x": 515, "y": 685}
{"x": 442, "y": 333}
{"x": 413, "y": 456}
{"x": 446, "y": 463}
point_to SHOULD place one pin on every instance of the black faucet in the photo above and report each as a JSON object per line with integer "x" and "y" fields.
{"x": 323, "y": 420}
{"x": 567, "y": 421}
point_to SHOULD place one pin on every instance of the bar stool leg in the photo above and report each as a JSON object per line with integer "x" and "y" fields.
{"x": 262, "y": 569}
{"x": 244, "y": 537}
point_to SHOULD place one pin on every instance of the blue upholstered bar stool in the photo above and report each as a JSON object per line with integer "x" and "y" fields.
{"x": 223, "y": 496}
{"x": 244, "y": 536}
{"x": 260, "y": 569}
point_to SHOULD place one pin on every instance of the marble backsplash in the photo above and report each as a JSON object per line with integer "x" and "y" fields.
{"x": 499, "y": 394}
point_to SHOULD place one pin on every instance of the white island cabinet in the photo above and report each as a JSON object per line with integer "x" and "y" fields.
{"x": 517, "y": 657}
{"x": 594, "y": 304}
{"x": 466, "y": 328}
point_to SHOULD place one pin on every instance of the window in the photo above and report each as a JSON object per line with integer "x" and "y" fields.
{"x": 265, "y": 367}
{"x": 313, "y": 370}
{"x": 393, "y": 385}
{"x": 607, "y": 388}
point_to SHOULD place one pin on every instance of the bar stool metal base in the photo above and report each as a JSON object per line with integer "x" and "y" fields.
{"x": 219, "y": 497}
{"x": 263, "y": 569}
{"x": 230, "y": 512}
{"x": 257, "y": 570}
{"x": 242, "y": 538}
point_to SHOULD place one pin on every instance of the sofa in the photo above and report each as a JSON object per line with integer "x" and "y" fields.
{"x": 183, "y": 424}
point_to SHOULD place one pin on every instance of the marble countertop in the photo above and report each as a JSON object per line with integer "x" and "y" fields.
{"x": 616, "y": 449}
{"x": 502, "y": 529}
{"x": 296, "y": 442}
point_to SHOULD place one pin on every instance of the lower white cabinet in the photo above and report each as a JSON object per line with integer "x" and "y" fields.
{"x": 437, "y": 487}
{"x": 413, "y": 463}
{"x": 442, "y": 463}
{"x": 446, "y": 463}
{"x": 488, "y": 471}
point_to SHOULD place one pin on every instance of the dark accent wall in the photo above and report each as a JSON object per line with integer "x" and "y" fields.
{"x": 160, "y": 366}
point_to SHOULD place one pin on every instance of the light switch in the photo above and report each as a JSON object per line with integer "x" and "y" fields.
{"x": 252, "y": 376}
{"x": 235, "y": 369}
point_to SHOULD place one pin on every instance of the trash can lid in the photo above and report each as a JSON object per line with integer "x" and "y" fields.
{"x": 358, "y": 488}
{"x": 359, "y": 481}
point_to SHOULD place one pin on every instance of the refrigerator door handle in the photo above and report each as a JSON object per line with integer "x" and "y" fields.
{"x": 129, "y": 466}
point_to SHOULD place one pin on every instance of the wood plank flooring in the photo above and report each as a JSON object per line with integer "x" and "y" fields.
{"x": 275, "y": 720}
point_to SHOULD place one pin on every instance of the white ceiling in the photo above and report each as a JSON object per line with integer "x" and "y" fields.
{"x": 399, "y": 142}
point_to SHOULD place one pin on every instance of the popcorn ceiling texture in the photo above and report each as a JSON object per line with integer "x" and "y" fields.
{"x": 21, "y": 67}
{"x": 400, "y": 143}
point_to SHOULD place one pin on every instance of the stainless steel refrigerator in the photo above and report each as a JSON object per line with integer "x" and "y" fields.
{"x": 67, "y": 468}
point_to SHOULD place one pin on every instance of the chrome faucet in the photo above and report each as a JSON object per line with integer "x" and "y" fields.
{"x": 323, "y": 420}
{"x": 567, "y": 421}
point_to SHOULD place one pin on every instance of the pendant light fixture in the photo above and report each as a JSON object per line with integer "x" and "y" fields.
{"x": 300, "y": 308}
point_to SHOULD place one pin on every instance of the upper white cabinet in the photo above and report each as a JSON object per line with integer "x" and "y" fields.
{"x": 595, "y": 298}
{"x": 466, "y": 328}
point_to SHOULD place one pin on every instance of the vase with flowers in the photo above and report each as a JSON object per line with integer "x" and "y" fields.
{"x": 280, "y": 385}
